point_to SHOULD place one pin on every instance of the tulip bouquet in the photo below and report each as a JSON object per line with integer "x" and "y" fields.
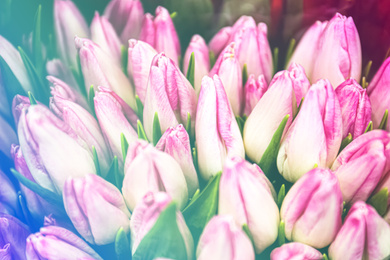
{"x": 116, "y": 144}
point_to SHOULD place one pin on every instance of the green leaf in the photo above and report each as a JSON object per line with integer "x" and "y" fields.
{"x": 275, "y": 59}
{"x": 113, "y": 174}
{"x": 244, "y": 75}
{"x": 299, "y": 107}
{"x": 290, "y": 50}
{"x": 124, "y": 146}
{"x": 245, "y": 228}
{"x": 281, "y": 195}
{"x": 25, "y": 211}
{"x": 201, "y": 209}
{"x": 240, "y": 123}
{"x": 9, "y": 79}
{"x": 346, "y": 141}
{"x": 164, "y": 238}
{"x": 369, "y": 127}
{"x": 156, "y": 129}
{"x": 191, "y": 70}
{"x": 281, "y": 234}
{"x": 211, "y": 58}
{"x": 268, "y": 160}
{"x": 140, "y": 108}
{"x": 91, "y": 96}
{"x": 36, "y": 42}
{"x": 195, "y": 158}
{"x": 383, "y": 123}
{"x": 379, "y": 201}
{"x": 325, "y": 257}
{"x": 188, "y": 124}
{"x": 141, "y": 131}
{"x": 96, "y": 161}
{"x": 367, "y": 69}
{"x": 124, "y": 58}
{"x": 33, "y": 101}
{"x": 173, "y": 15}
{"x": 122, "y": 245}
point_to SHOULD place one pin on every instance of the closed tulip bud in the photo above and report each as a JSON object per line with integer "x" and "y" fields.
{"x": 339, "y": 54}
{"x": 53, "y": 152}
{"x": 96, "y": 208}
{"x": 312, "y": 209}
{"x": 253, "y": 91}
{"x": 220, "y": 40}
{"x": 100, "y": 69}
{"x": 302, "y": 84}
{"x": 105, "y": 36}
{"x": 56, "y": 242}
{"x": 169, "y": 94}
{"x": 217, "y": 132}
{"x": 295, "y": 250}
{"x": 7, "y": 137}
{"x": 18, "y": 104}
{"x": 69, "y": 22}
{"x": 146, "y": 214}
{"x": 306, "y": 51}
{"x": 202, "y": 62}
{"x": 377, "y": 90}
{"x": 57, "y": 69}
{"x": 140, "y": 58}
{"x": 176, "y": 142}
{"x": 247, "y": 195}
{"x": 148, "y": 169}
{"x": 355, "y": 107}
{"x": 13, "y": 234}
{"x": 315, "y": 136}
{"x": 126, "y": 16}
{"x": 61, "y": 89}
{"x": 115, "y": 118}
{"x": 220, "y": 231}
{"x": 364, "y": 235}
{"x": 277, "y": 102}
{"x": 9, "y": 203}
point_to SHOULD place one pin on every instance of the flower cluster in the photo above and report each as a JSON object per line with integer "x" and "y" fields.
{"x": 122, "y": 145}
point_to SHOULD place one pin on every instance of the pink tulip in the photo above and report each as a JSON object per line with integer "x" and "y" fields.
{"x": 364, "y": 235}
{"x": 222, "y": 238}
{"x": 253, "y": 91}
{"x": 217, "y": 132}
{"x": 302, "y": 84}
{"x": 297, "y": 251}
{"x": 18, "y": 104}
{"x": 247, "y": 195}
{"x": 220, "y": 40}
{"x": 61, "y": 89}
{"x": 312, "y": 209}
{"x": 315, "y": 136}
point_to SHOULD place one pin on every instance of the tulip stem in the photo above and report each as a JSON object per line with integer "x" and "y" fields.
{"x": 211, "y": 58}
{"x": 275, "y": 59}
{"x": 281, "y": 234}
{"x": 124, "y": 58}
{"x": 191, "y": 70}
{"x": 36, "y": 41}
{"x": 367, "y": 69}
{"x": 325, "y": 257}
{"x": 156, "y": 129}
{"x": 244, "y": 75}
{"x": 281, "y": 195}
{"x": 33, "y": 101}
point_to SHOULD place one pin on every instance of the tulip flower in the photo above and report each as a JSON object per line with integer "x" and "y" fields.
{"x": 140, "y": 59}
{"x": 315, "y": 136}
{"x": 18, "y": 104}
{"x": 126, "y": 16}
{"x": 312, "y": 209}
{"x": 61, "y": 89}
{"x": 364, "y": 235}
{"x": 103, "y": 33}
{"x": 176, "y": 142}
{"x": 56, "y": 242}
{"x": 361, "y": 165}
{"x": 302, "y": 84}
{"x": 53, "y": 152}
{"x": 377, "y": 91}
{"x": 355, "y": 107}
{"x": 305, "y": 52}
{"x": 253, "y": 91}
{"x": 9, "y": 203}
{"x": 160, "y": 33}
{"x": 148, "y": 169}
{"x": 222, "y": 238}
{"x": 202, "y": 62}
{"x": 220, "y": 40}
{"x": 7, "y": 137}
{"x": 146, "y": 214}
{"x": 169, "y": 94}
{"x": 57, "y": 69}
{"x": 69, "y": 22}
{"x": 247, "y": 195}
{"x": 217, "y": 132}
{"x": 100, "y": 69}
{"x": 295, "y": 250}
{"x": 277, "y": 102}
{"x": 339, "y": 54}
{"x": 13, "y": 234}
{"x": 96, "y": 208}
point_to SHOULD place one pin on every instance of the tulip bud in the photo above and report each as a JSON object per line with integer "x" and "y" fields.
{"x": 202, "y": 62}
{"x": 105, "y": 36}
{"x": 57, "y": 69}
{"x": 13, "y": 234}
{"x": 220, "y": 40}
{"x": 377, "y": 90}
{"x": 100, "y": 69}
{"x": 302, "y": 84}
{"x": 339, "y": 54}
{"x": 295, "y": 250}
{"x": 247, "y": 195}
{"x": 9, "y": 203}
{"x": 148, "y": 169}
{"x": 126, "y": 16}
{"x": 140, "y": 59}
{"x": 220, "y": 231}
{"x": 7, "y": 137}
{"x": 312, "y": 209}
{"x": 53, "y": 242}
{"x": 355, "y": 107}
{"x": 53, "y": 152}
{"x": 253, "y": 91}
{"x": 227, "y": 67}
{"x": 18, "y": 104}
{"x": 176, "y": 142}
{"x": 217, "y": 132}
{"x": 315, "y": 136}
{"x": 306, "y": 51}
{"x": 277, "y": 102}
{"x": 169, "y": 94}
{"x": 160, "y": 32}
{"x": 61, "y": 89}
{"x": 96, "y": 208}
{"x": 146, "y": 214}
{"x": 69, "y": 22}
{"x": 364, "y": 235}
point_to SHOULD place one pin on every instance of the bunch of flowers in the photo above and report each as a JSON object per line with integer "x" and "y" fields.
{"x": 121, "y": 147}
